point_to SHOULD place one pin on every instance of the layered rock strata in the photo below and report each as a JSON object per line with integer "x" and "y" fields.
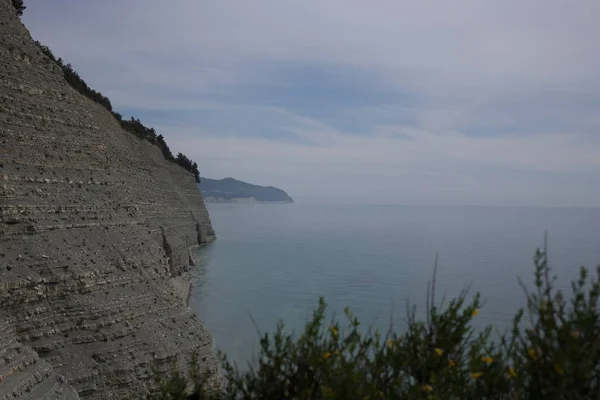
{"x": 95, "y": 233}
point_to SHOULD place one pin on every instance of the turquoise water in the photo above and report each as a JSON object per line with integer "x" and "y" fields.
{"x": 274, "y": 261}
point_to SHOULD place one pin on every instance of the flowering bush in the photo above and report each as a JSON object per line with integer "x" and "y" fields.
{"x": 554, "y": 354}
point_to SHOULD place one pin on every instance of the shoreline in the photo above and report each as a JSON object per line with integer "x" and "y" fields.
{"x": 183, "y": 287}
{"x": 183, "y": 283}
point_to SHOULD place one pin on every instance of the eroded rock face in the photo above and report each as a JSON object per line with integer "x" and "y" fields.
{"x": 95, "y": 228}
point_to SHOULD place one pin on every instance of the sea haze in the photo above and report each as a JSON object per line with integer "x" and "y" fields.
{"x": 274, "y": 261}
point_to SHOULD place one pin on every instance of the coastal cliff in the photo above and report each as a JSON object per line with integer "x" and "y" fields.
{"x": 96, "y": 232}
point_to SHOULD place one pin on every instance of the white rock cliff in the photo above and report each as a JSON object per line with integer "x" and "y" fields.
{"x": 95, "y": 232}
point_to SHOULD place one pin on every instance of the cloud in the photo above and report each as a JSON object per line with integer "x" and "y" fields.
{"x": 463, "y": 102}
{"x": 409, "y": 165}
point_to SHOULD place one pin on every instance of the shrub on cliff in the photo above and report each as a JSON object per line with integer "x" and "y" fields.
{"x": 188, "y": 164}
{"x": 555, "y": 354}
{"x": 132, "y": 125}
{"x": 19, "y": 6}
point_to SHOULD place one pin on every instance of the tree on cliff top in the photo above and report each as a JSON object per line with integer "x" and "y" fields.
{"x": 19, "y": 6}
{"x": 133, "y": 125}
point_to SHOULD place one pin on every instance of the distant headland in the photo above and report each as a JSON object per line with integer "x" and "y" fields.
{"x": 231, "y": 190}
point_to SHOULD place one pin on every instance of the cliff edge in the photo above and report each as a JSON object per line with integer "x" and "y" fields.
{"x": 95, "y": 236}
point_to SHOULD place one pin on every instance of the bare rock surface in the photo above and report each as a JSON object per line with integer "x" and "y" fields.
{"x": 95, "y": 232}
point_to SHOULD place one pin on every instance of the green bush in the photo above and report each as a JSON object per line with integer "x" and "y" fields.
{"x": 133, "y": 125}
{"x": 19, "y": 6}
{"x": 552, "y": 354}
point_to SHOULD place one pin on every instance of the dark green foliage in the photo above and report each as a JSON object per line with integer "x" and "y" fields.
{"x": 46, "y": 51}
{"x": 160, "y": 142}
{"x": 136, "y": 127}
{"x": 174, "y": 388}
{"x": 19, "y": 6}
{"x": 79, "y": 84}
{"x": 132, "y": 125}
{"x": 188, "y": 164}
{"x": 73, "y": 78}
{"x": 554, "y": 355}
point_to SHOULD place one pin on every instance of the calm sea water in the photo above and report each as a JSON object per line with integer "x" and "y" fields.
{"x": 273, "y": 262}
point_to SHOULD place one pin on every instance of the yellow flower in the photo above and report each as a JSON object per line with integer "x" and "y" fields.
{"x": 531, "y": 352}
{"x": 451, "y": 363}
{"x": 559, "y": 369}
{"x": 327, "y": 355}
{"x": 439, "y": 351}
{"x": 575, "y": 334}
{"x": 475, "y": 312}
{"x": 390, "y": 343}
{"x": 476, "y": 375}
{"x": 427, "y": 388}
{"x": 334, "y": 331}
{"x": 511, "y": 372}
{"x": 488, "y": 360}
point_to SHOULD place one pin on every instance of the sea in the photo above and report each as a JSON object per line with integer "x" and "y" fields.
{"x": 272, "y": 262}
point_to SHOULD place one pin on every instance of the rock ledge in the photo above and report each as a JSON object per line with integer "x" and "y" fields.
{"x": 95, "y": 232}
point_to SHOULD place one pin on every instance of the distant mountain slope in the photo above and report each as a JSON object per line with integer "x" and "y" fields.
{"x": 231, "y": 190}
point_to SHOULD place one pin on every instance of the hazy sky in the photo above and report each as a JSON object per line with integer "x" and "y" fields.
{"x": 410, "y": 102}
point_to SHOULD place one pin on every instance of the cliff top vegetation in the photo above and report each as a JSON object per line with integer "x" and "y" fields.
{"x": 132, "y": 125}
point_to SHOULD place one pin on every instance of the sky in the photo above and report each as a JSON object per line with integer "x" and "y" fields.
{"x": 382, "y": 102}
